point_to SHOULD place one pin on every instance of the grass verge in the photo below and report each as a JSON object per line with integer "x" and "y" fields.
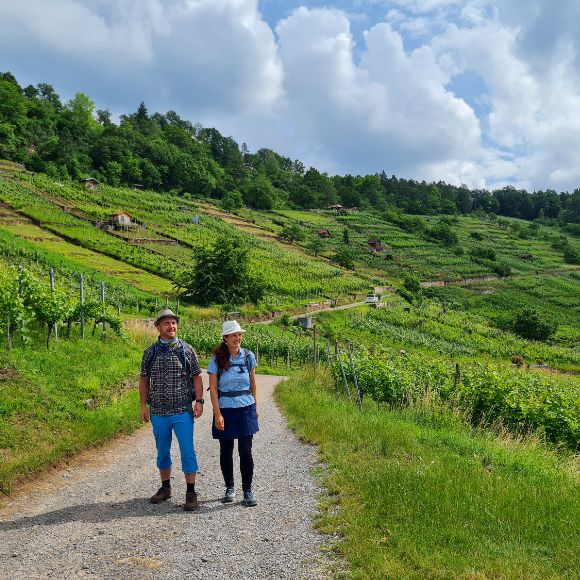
{"x": 58, "y": 401}
{"x": 417, "y": 494}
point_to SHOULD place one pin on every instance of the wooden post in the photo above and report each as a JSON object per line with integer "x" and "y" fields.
{"x": 81, "y": 280}
{"x": 354, "y": 375}
{"x": 342, "y": 369}
{"x": 457, "y": 374}
{"x": 257, "y": 352}
{"x": 103, "y": 301}
{"x": 314, "y": 354}
{"x": 51, "y": 275}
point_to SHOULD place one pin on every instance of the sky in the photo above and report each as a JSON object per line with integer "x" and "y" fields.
{"x": 478, "y": 92}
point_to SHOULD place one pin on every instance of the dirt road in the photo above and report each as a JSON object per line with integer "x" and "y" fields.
{"x": 94, "y": 519}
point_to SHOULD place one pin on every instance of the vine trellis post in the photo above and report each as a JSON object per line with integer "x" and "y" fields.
{"x": 342, "y": 369}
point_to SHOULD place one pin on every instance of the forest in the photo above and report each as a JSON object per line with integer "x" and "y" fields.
{"x": 163, "y": 152}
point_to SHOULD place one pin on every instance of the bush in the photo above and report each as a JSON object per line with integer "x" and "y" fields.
{"x": 483, "y": 253}
{"x": 502, "y": 270}
{"x": 443, "y": 234}
{"x": 476, "y": 236}
{"x": 517, "y": 360}
{"x": 571, "y": 255}
{"x": 529, "y": 324}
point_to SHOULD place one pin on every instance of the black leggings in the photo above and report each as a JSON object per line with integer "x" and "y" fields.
{"x": 246, "y": 461}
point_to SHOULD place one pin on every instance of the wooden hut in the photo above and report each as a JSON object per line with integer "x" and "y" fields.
{"x": 89, "y": 182}
{"x": 121, "y": 218}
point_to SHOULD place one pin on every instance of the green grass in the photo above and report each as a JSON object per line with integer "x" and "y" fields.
{"x": 43, "y": 416}
{"x": 417, "y": 495}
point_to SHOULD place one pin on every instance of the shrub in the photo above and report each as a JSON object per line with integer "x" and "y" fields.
{"x": 502, "y": 270}
{"x": 571, "y": 255}
{"x": 517, "y": 360}
{"x": 443, "y": 234}
{"x": 529, "y": 324}
{"x": 483, "y": 253}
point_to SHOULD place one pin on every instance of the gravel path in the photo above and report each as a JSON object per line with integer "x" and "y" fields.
{"x": 94, "y": 519}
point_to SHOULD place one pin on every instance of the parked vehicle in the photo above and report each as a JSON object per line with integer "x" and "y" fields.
{"x": 371, "y": 298}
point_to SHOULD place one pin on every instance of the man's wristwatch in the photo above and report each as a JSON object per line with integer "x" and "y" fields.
{"x": 200, "y": 401}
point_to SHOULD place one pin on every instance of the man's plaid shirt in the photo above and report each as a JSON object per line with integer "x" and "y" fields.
{"x": 168, "y": 385}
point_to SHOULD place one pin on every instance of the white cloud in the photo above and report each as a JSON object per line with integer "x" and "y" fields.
{"x": 391, "y": 111}
{"x": 218, "y": 54}
{"x": 387, "y": 103}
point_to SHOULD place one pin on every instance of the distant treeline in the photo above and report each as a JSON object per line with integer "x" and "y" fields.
{"x": 75, "y": 140}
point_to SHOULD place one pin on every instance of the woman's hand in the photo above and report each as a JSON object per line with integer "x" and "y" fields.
{"x": 219, "y": 422}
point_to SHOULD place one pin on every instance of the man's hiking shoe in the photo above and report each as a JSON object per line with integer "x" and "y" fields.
{"x": 163, "y": 493}
{"x": 249, "y": 499}
{"x": 229, "y": 496}
{"x": 190, "y": 501}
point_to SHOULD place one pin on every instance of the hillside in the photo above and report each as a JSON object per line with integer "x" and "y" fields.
{"x": 472, "y": 253}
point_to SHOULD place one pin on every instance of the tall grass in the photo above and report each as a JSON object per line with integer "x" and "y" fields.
{"x": 58, "y": 401}
{"x": 418, "y": 494}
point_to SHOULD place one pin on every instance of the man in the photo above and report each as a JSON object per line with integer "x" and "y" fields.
{"x": 170, "y": 380}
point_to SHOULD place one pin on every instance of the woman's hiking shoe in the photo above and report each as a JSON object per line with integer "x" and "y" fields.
{"x": 163, "y": 493}
{"x": 190, "y": 501}
{"x": 249, "y": 499}
{"x": 229, "y": 495}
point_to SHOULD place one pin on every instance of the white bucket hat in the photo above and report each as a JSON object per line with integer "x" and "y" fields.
{"x": 231, "y": 326}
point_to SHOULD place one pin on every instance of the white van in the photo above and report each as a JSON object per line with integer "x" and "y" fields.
{"x": 371, "y": 298}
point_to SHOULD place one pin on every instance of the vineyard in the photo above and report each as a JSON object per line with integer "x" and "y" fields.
{"x": 456, "y": 334}
{"x": 163, "y": 241}
{"x": 521, "y": 399}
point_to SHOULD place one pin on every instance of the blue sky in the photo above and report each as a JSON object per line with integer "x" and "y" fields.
{"x": 482, "y": 92}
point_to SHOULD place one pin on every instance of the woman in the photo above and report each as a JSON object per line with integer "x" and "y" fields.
{"x": 232, "y": 385}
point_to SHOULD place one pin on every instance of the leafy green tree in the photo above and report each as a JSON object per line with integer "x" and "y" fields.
{"x": 221, "y": 275}
{"x": 317, "y": 245}
{"x": 293, "y": 233}
{"x": 232, "y": 200}
{"x": 571, "y": 255}
{"x": 82, "y": 109}
{"x": 260, "y": 193}
{"x": 528, "y": 323}
{"x": 345, "y": 258}
{"x": 442, "y": 233}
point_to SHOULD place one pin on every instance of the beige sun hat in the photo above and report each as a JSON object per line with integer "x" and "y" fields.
{"x": 167, "y": 313}
{"x": 231, "y": 326}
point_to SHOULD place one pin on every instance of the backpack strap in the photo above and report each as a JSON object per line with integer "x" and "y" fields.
{"x": 244, "y": 364}
{"x": 187, "y": 375}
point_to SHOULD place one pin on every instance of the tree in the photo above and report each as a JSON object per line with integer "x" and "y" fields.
{"x": 260, "y": 193}
{"x": 221, "y": 275}
{"x": 345, "y": 258}
{"x": 317, "y": 245}
{"x": 232, "y": 200}
{"x": 529, "y": 324}
{"x": 293, "y": 232}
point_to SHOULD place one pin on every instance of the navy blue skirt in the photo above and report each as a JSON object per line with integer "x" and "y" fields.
{"x": 239, "y": 422}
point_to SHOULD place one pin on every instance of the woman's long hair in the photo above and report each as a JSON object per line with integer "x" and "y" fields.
{"x": 222, "y": 356}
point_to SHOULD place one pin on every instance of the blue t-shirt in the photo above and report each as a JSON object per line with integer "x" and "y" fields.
{"x": 234, "y": 380}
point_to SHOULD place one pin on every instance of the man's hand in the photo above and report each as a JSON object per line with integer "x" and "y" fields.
{"x": 144, "y": 414}
{"x": 198, "y": 410}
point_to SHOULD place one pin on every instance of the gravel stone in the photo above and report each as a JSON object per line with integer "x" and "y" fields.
{"x": 94, "y": 520}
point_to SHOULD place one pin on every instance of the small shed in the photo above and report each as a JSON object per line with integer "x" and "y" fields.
{"x": 323, "y": 233}
{"x": 89, "y": 182}
{"x": 305, "y": 322}
{"x": 137, "y": 186}
{"x": 375, "y": 244}
{"x": 336, "y": 207}
{"x": 122, "y": 218}
{"x": 527, "y": 257}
